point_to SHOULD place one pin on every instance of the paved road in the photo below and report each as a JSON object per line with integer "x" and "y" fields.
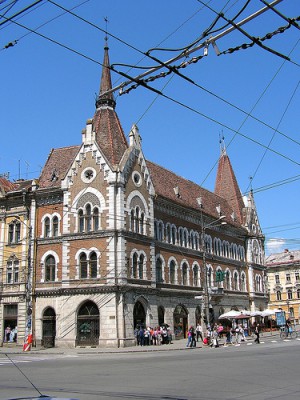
{"x": 248, "y": 372}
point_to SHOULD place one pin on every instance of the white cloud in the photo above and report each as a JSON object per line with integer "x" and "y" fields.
{"x": 275, "y": 246}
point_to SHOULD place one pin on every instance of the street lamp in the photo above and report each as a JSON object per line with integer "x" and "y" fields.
{"x": 218, "y": 222}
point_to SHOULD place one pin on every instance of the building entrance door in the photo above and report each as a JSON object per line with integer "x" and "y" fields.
{"x": 88, "y": 325}
{"x": 49, "y": 328}
{"x": 180, "y": 317}
{"x": 139, "y": 315}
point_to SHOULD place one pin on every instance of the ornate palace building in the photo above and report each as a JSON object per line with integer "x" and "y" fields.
{"x": 120, "y": 241}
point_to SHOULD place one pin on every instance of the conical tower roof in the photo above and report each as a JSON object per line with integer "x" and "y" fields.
{"x": 109, "y": 134}
{"x": 227, "y": 187}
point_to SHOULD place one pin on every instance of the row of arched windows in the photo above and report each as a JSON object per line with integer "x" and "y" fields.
{"x": 137, "y": 220}
{"x": 88, "y": 219}
{"x": 87, "y": 266}
{"x": 191, "y": 239}
{"x": 289, "y": 294}
{"x": 184, "y": 274}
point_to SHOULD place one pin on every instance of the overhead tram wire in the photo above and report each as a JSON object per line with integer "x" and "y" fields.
{"x": 289, "y": 20}
{"x": 274, "y": 133}
{"x": 160, "y": 62}
{"x": 254, "y": 39}
{"x": 194, "y": 49}
{"x": 150, "y": 88}
{"x": 254, "y": 106}
{"x": 205, "y": 33}
{"x": 46, "y": 23}
{"x": 10, "y": 19}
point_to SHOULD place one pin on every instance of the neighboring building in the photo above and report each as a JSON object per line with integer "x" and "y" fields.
{"x": 121, "y": 241}
{"x": 16, "y": 257}
{"x": 283, "y": 275}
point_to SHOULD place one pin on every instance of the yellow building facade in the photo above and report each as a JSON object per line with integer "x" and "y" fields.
{"x": 16, "y": 261}
{"x": 283, "y": 276}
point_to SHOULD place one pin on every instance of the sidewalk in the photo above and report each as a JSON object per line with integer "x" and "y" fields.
{"x": 175, "y": 345}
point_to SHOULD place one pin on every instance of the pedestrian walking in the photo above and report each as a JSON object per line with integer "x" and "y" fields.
{"x": 199, "y": 332}
{"x": 256, "y": 333}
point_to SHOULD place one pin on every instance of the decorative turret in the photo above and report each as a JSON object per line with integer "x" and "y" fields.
{"x": 106, "y": 128}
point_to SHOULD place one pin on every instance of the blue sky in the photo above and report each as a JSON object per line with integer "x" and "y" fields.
{"x": 250, "y": 96}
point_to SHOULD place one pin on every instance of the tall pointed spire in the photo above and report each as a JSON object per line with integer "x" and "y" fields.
{"x": 108, "y": 131}
{"x": 227, "y": 187}
{"x": 104, "y": 98}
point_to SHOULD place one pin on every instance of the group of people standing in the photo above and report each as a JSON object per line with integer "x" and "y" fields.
{"x": 153, "y": 336}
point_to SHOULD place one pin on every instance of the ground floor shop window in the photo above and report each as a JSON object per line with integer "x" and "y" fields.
{"x": 10, "y": 322}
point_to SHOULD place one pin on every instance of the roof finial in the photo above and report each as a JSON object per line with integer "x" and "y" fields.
{"x": 222, "y": 144}
{"x": 106, "y": 37}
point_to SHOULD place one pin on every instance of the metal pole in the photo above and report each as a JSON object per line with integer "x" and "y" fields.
{"x": 196, "y": 48}
{"x": 206, "y": 294}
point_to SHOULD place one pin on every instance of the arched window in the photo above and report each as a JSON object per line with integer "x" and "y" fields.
{"x": 50, "y": 267}
{"x": 278, "y": 295}
{"x": 141, "y": 266}
{"x": 81, "y": 221}
{"x": 298, "y": 293}
{"x": 258, "y": 284}
{"x": 137, "y": 220}
{"x": 180, "y": 234}
{"x": 209, "y": 276}
{"x": 243, "y": 283}
{"x": 195, "y": 276}
{"x": 172, "y": 268}
{"x": 159, "y": 275}
{"x": 88, "y": 218}
{"x": 289, "y": 294}
{"x": 142, "y": 223}
{"x": 168, "y": 233}
{"x": 132, "y": 221}
{"x": 55, "y": 226}
{"x": 184, "y": 274}
{"x": 83, "y": 266}
{"x": 47, "y": 227}
{"x": 96, "y": 219}
{"x": 160, "y": 231}
{"x": 134, "y": 265}
{"x": 93, "y": 265}
{"x": 227, "y": 280}
{"x": 235, "y": 281}
{"x": 185, "y": 238}
{"x": 173, "y": 235}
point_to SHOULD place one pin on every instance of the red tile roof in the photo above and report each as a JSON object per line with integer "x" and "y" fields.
{"x": 109, "y": 135}
{"x": 227, "y": 187}
{"x": 6, "y": 185}
{"x": 57, "y": 165}
{"x": 165, "y": 181}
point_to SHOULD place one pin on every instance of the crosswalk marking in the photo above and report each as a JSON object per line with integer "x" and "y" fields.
{"x": 27, "y": 359}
